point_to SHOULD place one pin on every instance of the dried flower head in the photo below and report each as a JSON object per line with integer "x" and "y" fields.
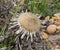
{"x": 28, "y": 23}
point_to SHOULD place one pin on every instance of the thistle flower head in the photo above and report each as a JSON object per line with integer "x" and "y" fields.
{"x": 28, "y": 23}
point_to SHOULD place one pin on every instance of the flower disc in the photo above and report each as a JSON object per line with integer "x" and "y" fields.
{"x": 29, "y": 21}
